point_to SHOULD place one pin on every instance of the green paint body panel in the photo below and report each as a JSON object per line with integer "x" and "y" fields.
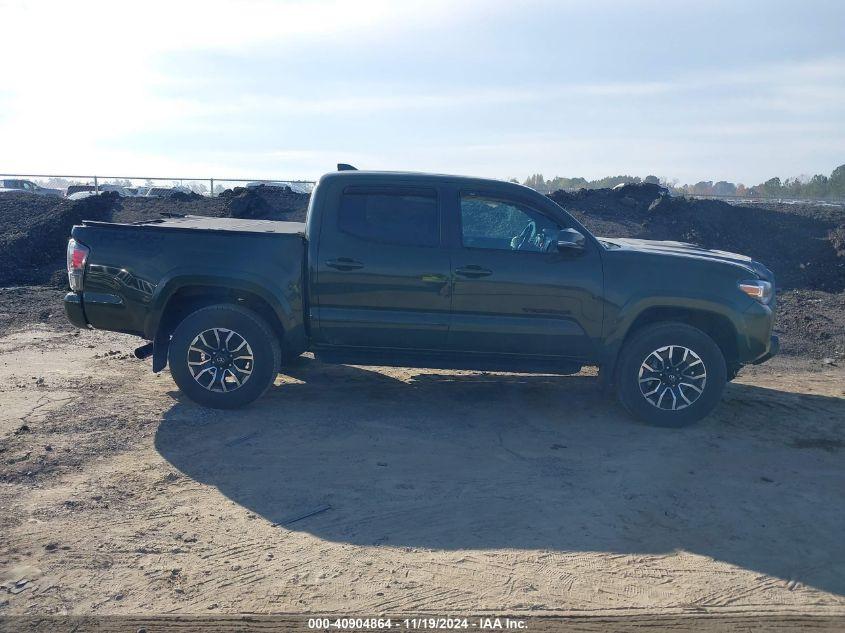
{"x": 413, "y": 304}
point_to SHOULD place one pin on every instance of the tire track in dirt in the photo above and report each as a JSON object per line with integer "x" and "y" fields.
{"x": 593, "y": 512}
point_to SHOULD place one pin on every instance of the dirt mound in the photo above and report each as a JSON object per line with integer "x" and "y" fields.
{"x": 837, "y": 239}
{"x": 266, "y": 203}
{"x": 254, "y": 203}
{"x": 249, "y": 204}
{"x": 811, "y": 323}
{"x": 182, "y": 196}
{"x": 799, "y": 243}
{"x": 36, "y": 229}
{"x": 21, "y": 306}
{"x": 142, "y": 209}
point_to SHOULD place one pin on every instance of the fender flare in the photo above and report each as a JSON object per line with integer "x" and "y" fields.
{"x": 633, "y": 309}
{"x": 265, "y": 289}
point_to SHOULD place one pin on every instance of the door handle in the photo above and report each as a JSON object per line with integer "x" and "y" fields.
{"x": 435, "y": 279}
{"x": 473, "y": 272}
{"x": 344, "y": 263}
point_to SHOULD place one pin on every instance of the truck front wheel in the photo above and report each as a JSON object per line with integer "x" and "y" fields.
{"x": 670, "y": 374}
{"x": 224, "y": 356}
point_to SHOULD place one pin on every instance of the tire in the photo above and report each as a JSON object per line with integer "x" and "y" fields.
{"x": 219, "y": 375}
{"x": 695, "y": 376}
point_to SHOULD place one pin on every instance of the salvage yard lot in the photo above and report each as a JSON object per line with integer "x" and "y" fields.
{"x": 428, "y": 491}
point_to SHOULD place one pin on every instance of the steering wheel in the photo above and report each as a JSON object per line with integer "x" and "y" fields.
{"x": 525, "y": 237}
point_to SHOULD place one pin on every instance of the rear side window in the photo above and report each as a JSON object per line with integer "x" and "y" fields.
{"x": 402, "y": 218}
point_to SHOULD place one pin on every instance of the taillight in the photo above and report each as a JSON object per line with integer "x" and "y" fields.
{"x": 77, "y": 254}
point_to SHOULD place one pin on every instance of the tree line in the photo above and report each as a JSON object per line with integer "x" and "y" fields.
{"x": 817, "y": 187}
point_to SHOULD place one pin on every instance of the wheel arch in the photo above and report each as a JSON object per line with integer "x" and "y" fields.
{"x": 180, "y": 297}
{"x": 189, "y": 298}
{"x": 715, "y": 324}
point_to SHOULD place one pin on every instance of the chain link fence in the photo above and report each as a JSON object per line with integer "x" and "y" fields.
{"x": 66, "y": 185}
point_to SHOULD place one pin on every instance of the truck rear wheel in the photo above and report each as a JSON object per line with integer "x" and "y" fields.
{"x": 224, "y": 356}
{"x": 670, "y": 374}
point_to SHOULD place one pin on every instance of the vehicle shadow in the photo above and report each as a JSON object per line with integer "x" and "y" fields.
{"x": 476, "y": 461}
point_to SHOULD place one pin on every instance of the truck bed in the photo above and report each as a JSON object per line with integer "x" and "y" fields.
{"x": 203, "y": 223}
{"x": 133, "y": 270}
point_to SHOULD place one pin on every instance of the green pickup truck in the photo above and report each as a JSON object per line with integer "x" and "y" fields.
{"x": 424, "y": 270}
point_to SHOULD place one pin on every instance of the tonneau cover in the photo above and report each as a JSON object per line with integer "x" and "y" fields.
{"x": 198, "y": 222}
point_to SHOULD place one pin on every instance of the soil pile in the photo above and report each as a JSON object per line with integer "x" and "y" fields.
{"x": 22, "y": 306}
{"x": 253, "y": 203}
{"x": 801, "y": 244}
{"x": 266, "y": 203}
{"x": 143, "y": 209}
{"x": 35, "y": 231}
{"x": 837, "y": 239}
{"x": 811, "y": 323}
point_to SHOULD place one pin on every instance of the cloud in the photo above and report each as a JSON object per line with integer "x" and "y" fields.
{"x": 259, "y": 88}
{"x": 90, "y": 71}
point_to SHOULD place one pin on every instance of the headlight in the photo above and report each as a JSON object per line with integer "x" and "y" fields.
{"x": 757, "y": 289}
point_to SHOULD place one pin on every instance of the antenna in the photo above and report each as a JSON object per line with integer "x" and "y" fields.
{"x": 346, "y": 167}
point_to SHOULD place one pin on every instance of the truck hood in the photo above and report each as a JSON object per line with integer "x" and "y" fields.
{"x": 684, "y": 249}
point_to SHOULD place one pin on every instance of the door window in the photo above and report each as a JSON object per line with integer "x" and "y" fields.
{"x": 407, "y": 219}
{"x": 497, "y": 224}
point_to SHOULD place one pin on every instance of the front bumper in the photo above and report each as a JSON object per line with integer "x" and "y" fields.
{"x": 774, "y": 348}
{"x": 754, "y": 333}
{"x": 73, "y": 310}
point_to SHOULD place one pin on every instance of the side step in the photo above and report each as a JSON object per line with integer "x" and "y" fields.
{"x": 450, "y": 361}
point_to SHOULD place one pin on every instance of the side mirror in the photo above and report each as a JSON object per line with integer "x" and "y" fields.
{"x": 570, "y": 240}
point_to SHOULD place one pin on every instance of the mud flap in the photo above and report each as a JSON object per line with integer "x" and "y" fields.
{"x": 161, "y": 345}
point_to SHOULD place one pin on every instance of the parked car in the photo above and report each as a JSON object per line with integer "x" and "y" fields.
{"x": 77, "y": 189}
{"x": 165, "y": 192}
{"x": 80, "y": 195}
{"x": 159, "y": 192}
{"x": 27, "y": 186}
{"x": 122, "y": 191}
{"x": 78, "y": 192}
{"x": 425, "y": 271}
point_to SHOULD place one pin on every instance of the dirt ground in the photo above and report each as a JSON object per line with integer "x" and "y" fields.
{"x": 428, "y": 491}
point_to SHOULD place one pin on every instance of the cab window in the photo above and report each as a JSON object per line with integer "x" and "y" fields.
{"x": 491, "y": 223}
{"x": 407, "y": 218}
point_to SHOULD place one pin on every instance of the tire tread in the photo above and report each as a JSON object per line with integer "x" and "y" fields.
{"x": 632, "y": 401}
{"x": 257, "y": 321}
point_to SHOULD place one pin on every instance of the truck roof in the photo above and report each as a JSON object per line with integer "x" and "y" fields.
{"x": 420, "y": 178}
{"x": 198, "y": 222}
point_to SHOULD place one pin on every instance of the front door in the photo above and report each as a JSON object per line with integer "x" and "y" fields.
{"x": 382, "y": 274}
{"x": 513, "y": 292}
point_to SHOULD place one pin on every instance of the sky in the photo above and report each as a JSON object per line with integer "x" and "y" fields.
{"x": 687, "y": 90}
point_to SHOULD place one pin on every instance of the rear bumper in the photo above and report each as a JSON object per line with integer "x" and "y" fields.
{"x": 73, "y": 310}
{"x": 774, "y": 348}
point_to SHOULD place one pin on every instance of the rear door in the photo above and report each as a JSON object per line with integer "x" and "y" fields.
{"x": 382, "y": 273}
{"x": 513, "y": 292}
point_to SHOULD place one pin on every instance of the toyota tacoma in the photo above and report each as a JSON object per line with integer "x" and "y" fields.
{"x": 424, "y": 270}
